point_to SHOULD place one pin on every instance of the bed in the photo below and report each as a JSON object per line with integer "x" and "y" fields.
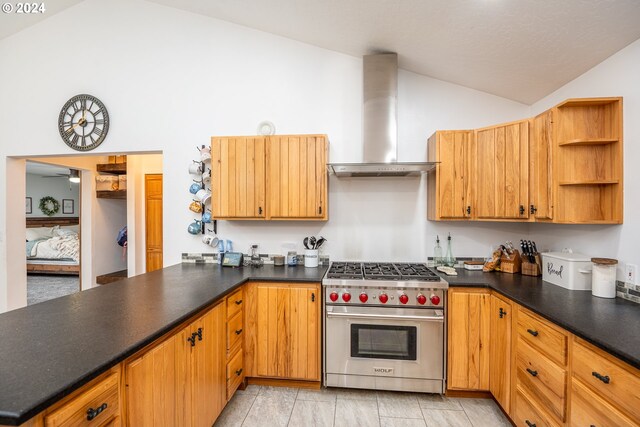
{"x": 53, "y": 246}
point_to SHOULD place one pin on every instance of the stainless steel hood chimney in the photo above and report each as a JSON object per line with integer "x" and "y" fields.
{"x": 380, "y": 124}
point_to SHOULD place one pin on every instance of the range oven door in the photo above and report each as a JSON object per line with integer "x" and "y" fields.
{"x": 385, "y": 342}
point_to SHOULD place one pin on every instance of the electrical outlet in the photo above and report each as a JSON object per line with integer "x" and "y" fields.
{"x": 631, "y": 273}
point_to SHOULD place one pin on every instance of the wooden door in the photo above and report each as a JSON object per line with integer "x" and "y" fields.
{"x": 238, "y": 177}
{"x": 502, "y": 180}
{"x": 297, "y": 175}
{"x": 454, "y": 174}
{"x": 208, "y": 369}
{"x": 156, "y": 385}
{"x": 500, "y": 351}
{"x": 288, "y": 331}
{"x": 153, "y": 221}
{"x": 540, "y": 166}
{"x": 469, "y": 332}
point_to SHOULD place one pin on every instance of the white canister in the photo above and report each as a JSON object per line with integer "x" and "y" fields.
{"x": 311, "y": 257}
{"x": 603, "y": 279}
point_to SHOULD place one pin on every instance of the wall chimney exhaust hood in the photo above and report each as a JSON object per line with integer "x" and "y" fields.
{"x": 380, "y": 124}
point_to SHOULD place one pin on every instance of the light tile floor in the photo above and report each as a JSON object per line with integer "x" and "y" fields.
{"x": 280, "y": 406}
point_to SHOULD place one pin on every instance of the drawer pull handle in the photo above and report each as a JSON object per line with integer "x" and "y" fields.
{"x": 502, "y": 312}
{"x": 192, "y": 340}
{"x": 238, "y": 331}
{"x": 604, "y": 378}
{"x": 238, "y": 372}
{"x": 199, "y": 334}
{"x": 92, "y": 413}
{"x": 529, "y": 423}
{"x": 532, "y": 372}
{"x": 532, "y": 332}
{"x": 238, "y": 302}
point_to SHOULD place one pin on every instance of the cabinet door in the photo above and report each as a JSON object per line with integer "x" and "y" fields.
{"x": 297, "y": 174}
{"x": 468, "y": 353}
{"x": 502, "y": 178}
{"x": 153, "y": 220}
{"x": 208, "y": 370}
{"x": 500, "y": 350}
{"x": 288, "y": 331}
{"x": 238, "y": 177}
{"x": 540, "y": 166}
{"x": 453, "y": 174}
{"x": 156, "y": 385}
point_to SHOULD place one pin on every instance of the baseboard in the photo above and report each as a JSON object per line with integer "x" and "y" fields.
{"x": 469, "y": 393}
{"x": 278, "y": 382}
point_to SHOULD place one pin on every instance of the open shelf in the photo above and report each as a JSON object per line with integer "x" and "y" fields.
{"x": 597, "y": 182}
{"x": 118, "y": 194}
{"x": 587, "y": 102}
{"x": 589, "y": 141}
{"x": 114, "y": 168}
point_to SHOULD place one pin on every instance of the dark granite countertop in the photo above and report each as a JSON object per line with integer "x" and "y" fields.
{"x": 50, "y": 349}
{"x": 611, "y": 324}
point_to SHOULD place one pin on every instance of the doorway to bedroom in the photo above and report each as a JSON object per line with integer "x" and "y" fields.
{"x": 52, "y": 210}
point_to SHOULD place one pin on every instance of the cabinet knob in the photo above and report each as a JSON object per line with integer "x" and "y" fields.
{"x": 313, "y": 297}
{"x": 238, "y": 372}
{"x": 521, "y": 209}
{"x": 532, "y": 332}
{"x": 532, "y": 372}
{"x": 238, "y": 302}
{"x": 260, "y": 210}
{"x": 192, "y": 340}
{"x": 468, "y": 210}
{"x": 502, "y": 313}
{"x": 319, "y": 210}
{"x": 92, "y": 413}
{"x": 604, "y": 378}
{"x": 199, "y": 334}
{"x": 529, "y": 423}
{"x": 532, "y": 209}
{"x": 238, "y": 331}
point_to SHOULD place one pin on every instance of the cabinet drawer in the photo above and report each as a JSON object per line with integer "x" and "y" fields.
{"x": 102, "y": 397}
{"x": 542, "y": 379}
{"x": 235, "y": 374}
{"x": 609, "y": 377}
{"x": 527, "y": 414}
{"x": 235, "y": 332}
{"x": 542, "y": 336}
{"x": 234, "y": 304}
{"x": 588, "y": 409}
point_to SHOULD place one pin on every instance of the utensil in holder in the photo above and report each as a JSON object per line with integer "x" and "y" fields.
{"x": 532, "y": 268}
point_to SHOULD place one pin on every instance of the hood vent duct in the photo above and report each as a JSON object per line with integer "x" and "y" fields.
{"x": 380, "y": 124}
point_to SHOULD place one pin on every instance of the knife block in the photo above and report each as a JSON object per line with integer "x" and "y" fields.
{"x": 511, "y": 265}
{"x": 532, "y": 268}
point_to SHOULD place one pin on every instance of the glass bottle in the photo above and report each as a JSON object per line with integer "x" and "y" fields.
{"x": 437, "y": 252}
{"x": 449, "y": 259}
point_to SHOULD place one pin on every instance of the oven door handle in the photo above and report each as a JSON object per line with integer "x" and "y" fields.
{"x": 387, "y": 316}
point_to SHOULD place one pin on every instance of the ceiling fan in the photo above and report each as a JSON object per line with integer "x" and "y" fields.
{"x": 72, "y": 176}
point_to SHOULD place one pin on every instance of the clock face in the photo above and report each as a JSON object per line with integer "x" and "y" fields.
{"x": 83, "y": 122}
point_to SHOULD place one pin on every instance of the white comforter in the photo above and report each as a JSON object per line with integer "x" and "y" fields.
{"x": 58, "y": 247}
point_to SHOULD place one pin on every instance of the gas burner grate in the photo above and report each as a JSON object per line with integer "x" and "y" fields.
{"x": 345, "y": 270}
{"x": 380, "y": 271}
{"x": 416, "y": 271}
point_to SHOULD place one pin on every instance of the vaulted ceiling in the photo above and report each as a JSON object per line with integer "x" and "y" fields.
{"x": 517, "y": 49}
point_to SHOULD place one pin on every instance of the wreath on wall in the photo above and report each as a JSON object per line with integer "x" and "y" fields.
{"x": 49, "y": 206}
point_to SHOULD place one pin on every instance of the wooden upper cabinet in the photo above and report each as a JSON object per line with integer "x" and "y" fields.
{"x": 502, "y": 171}
{"x": 450, "y": 186}
{"x": 297, "y": 177}
{"x": 238, "y": 166}
{"x": 540, "y": 146}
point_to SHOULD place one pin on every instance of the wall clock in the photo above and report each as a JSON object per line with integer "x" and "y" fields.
{"x": 83, "y": 122}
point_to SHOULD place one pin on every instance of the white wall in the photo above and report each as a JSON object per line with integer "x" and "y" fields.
{"x": 616, "y": 76}
{"x": 58, "y": 188}
{"x": 171, "y": 79}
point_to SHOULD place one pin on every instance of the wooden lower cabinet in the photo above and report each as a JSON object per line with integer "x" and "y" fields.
{"x": 589, "y": 409}
{"x": 284, "y": 324}
{"x": 526, "y": 413}
{"x": 500, "y": 351}
{"x": 180, "y": 381}
{"x": 468, "y": 332}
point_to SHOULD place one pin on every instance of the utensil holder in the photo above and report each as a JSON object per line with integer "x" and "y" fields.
{"x": 311, "y": 257}
{"x": 512, "y": 264}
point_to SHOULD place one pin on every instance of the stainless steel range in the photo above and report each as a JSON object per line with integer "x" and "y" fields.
{"x": 384, "y": 327}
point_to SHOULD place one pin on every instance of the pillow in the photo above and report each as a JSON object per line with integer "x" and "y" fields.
{"x": 39, "y": 233}
{"x": 61, "y": 232}
{"x": 74, "y": 228}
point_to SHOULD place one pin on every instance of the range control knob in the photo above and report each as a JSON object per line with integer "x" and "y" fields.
{"x": 403, "y": 298}
{"x": 435, "y": 299}
{"x": 421, "y": 299}
{"x": 363, "y": 297}
{"x": 346, "y": 297}
{"x": 383, "y": 298}
{"x": 333, "y": 296}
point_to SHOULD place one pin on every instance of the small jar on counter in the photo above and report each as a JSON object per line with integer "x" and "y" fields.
{"x": 603, "y": 279}
{"x": 292, "y": 258}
